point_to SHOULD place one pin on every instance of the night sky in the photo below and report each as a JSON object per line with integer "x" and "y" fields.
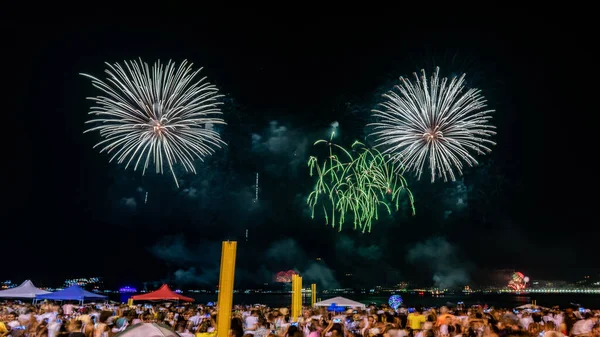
{"x": 71, "y": 214}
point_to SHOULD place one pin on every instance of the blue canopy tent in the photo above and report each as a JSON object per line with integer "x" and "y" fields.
{"x": 73, "y": 293}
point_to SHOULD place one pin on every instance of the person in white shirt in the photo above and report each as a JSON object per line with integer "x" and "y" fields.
{"x": 251, "y": 323}
{"x": 526, "y": 320}
{"x": 195, "y": 319}
{"x": 68, "y": 309}
{"x": 584, "y": 326}
{"x": 12, "y": 321}
{"x": 54, "y": 326}
{"x": 48, "y": 316}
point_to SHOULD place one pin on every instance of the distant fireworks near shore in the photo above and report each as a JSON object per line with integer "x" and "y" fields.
{"x": 159, "y": 115}
{"x": 437, "y": 122}
{"x": 355, "y": 184}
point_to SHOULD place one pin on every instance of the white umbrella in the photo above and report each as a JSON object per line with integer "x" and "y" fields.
{"x": 147, "y": 330}
{"x": 531, "y": 306}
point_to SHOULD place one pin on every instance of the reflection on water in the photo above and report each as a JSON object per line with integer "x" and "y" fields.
{"x": 502, "y": 301}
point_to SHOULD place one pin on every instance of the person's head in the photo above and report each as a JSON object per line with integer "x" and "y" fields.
{"x": 534, "y": 328}
{"x": 549, "y": 326}
{"x": 75, "y": 326}
{"x": 337, "y": 330}
{"x": 203, "y": 326}
{"x": 104, "y": 316}
{"x": 596, "y": 330}
{"x": 292, "y": 330}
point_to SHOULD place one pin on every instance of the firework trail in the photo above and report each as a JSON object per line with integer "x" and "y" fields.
{"x": 159, "y": 115}
{"x": 433, "y": 121}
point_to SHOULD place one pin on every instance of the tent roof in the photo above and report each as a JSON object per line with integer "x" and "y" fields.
{"x": 163, "y": 293}
{"x": 531, "y": 306}
{"x": 147, "y": 330}
{"x": 72, "y": 293}
{"x": 25, "y": 290}
{"x": 341, "y": 302}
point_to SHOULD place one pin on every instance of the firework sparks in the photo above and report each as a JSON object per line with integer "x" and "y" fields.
{"x": 357, "y": 186}
{"x": 156, "y": 114}
{"x": 435, "y": 121}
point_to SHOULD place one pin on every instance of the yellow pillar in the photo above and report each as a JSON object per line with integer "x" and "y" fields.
{"x": 313, "y": 294}
{"x": 130, "y": 302}
{"x": 292, "y": 308}
{"x": 225, "y": 299}
{"x": 296, "y": 297}
{"x": 299, "y": 296}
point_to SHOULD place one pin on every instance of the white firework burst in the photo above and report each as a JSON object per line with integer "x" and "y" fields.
{"x": 435, "y": 121}
{"x": 159, "y": 114}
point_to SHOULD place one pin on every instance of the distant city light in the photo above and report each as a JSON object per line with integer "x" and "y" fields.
{"x": 81, "y": 281}
{"x": 128, "y": 289}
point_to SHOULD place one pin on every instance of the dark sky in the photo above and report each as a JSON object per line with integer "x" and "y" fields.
{"x": 71, "y": 213}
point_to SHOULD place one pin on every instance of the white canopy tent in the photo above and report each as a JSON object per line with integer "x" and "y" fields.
{"x": 25, "y": 290}
{"x": 531, "y": 307}
{"x": 147, "y": 330}
{"x": 340, "y": 302}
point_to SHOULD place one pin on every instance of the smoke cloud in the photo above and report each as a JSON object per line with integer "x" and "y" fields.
{"x": 200, "y": 265}
{"x": 456, "y": 197}
{"x": 284, "y": 146}
{"x": 440, "y": 256}
{"x": 287, "y": 254}
{"x": 204, "y": 258}
{"x": 364, "y": 260}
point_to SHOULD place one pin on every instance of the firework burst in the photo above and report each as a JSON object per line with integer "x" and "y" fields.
{"x": 355, "y": 184}
{"x": 435, "y": 121}
{"x": 159, "y": 115}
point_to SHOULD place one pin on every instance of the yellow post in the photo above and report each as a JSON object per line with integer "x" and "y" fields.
{"x": 299, "y": 296}
{"x": 296, "y": 297}
{"x": 130, "y": 302}
{"x": 313, "y": 294}
{"x": 293, "y": 307}
{"x": 225, "y": 299}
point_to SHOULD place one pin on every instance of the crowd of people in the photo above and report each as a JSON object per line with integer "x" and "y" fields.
{"x": 107, "y": 320}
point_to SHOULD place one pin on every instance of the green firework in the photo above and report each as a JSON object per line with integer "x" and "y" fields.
{"x": 355, "y": 184}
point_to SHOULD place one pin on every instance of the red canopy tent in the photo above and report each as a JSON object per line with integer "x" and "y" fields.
{"x": 163, "y": 293}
